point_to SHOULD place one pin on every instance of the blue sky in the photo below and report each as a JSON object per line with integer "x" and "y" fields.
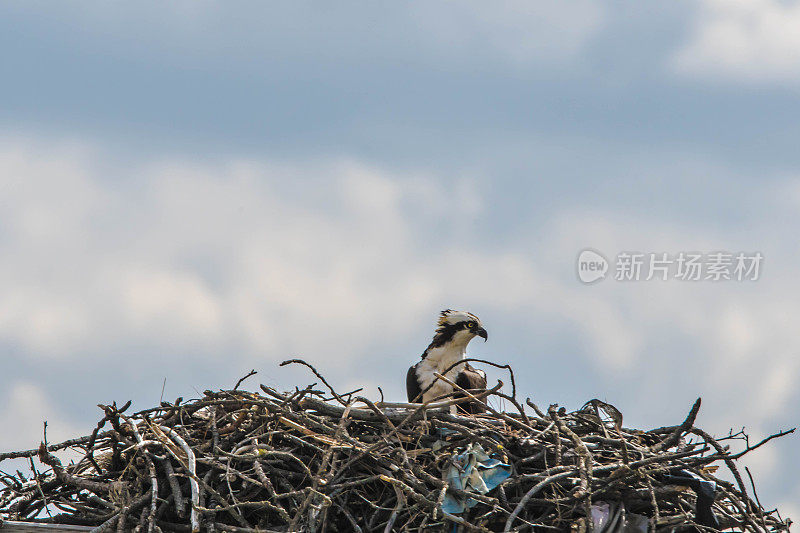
{"x": 195, "y": 189}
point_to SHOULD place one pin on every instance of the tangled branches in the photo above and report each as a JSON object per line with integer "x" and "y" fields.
{"x": 241, "y": 461}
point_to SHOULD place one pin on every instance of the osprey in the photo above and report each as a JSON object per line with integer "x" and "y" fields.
{"x": 453, "y": 333}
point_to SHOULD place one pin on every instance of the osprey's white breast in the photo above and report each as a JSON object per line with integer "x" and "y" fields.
{"x": 437, "y": 360}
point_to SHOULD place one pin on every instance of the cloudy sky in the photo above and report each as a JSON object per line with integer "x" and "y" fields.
{"x": 194, "y": 189}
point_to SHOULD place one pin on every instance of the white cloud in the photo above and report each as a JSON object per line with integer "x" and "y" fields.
{"x": 751, "y": 40}
{"x": 23, "y": 410}
{"x": 243, "y": 256}
{"x": 743, "y": 333}
{"x": 203, "y": 256}
{"x": 263, "y": 259}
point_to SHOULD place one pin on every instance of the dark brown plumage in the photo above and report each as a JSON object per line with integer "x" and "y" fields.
{"x": 468, "y": 379}
{"x": 473, "y": 381}
{"x": 413, "y": 390}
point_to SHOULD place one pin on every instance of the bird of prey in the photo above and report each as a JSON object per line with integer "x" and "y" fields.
{"x": 454, "y": 331}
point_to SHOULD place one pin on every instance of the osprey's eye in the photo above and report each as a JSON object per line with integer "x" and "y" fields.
{"x": 470, "y": 325}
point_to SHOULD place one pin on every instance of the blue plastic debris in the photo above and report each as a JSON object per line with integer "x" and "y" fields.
{"x": 472, "y": 471}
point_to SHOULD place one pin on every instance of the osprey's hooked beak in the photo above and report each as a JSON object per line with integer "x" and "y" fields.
{"x": 480, "y": 332}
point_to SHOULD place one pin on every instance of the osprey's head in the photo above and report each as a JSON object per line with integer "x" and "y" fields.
{"x": 458, "y": 326}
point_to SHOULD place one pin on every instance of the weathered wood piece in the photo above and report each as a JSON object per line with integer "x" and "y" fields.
{"x": 27, "y": 527}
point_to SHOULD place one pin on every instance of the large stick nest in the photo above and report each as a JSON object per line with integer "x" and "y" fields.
{"x": 320, "y": 461}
